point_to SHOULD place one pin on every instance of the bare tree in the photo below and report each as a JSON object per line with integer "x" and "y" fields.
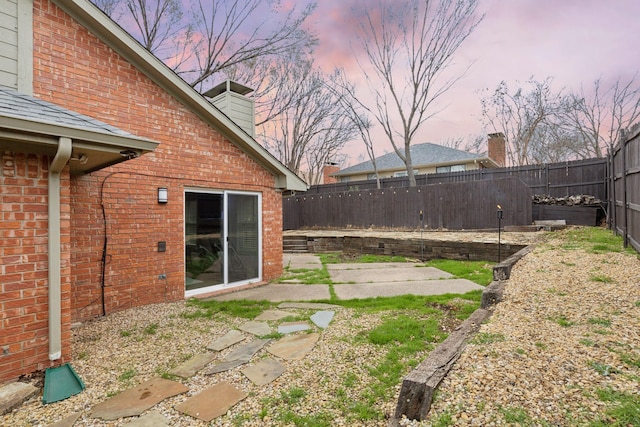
{"x": 598, "y": 117}
{"x": 520, "y": 114}
{"x": 239, "y": 31}
{"x": 157, "y": 21}
{"x": 543, "y": 125}
{"x": 409, "y": 46}
{"x": 346, "y": 94}
{"x": 111, "y": 7}
{"x": 471, "y": 144}
{"x": 312, "y": 130}
{"x": 552, "y": 143}
{"x": 215, "y": 36}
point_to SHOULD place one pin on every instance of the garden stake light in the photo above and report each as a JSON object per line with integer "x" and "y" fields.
{"x": 499, "y": 224}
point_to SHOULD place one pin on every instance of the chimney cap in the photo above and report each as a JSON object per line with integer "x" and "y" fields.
{"x": 496, "y": 135}
{"x": 227, "y": 86}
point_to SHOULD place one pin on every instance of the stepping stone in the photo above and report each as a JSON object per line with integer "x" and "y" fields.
{"x": 308, "y": 305}
{"x": 273, "y": 315}
{"x": 68, "y": 421}
{"x": 230, "y": 338}
{"x": 256, "y": 328}
{"x": 13, "y": 394}
{"x": 265, "y": 371}
{"x": 322, "y": 318}
{"x": 136, "y": 400}
{"x": 193, "y": 365}
{"x": 213, "y": 402}
{"x": 225, "y": 366}
{"x": 293, "y": 347}
{"x": 152, "y": 419}
{"x": 247, "y": 351}
{"x": 290, "y": 327}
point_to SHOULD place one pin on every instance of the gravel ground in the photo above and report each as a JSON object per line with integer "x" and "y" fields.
{"x": 523, "y": 365}
{"x": 569, "y": 326}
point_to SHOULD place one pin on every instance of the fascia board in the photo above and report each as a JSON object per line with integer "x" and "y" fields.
{"x": 43, "y": 129}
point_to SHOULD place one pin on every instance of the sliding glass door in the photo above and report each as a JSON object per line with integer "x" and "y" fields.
{"x": 222, "y": 240}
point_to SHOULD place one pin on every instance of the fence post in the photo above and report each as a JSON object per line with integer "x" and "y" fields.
{"x": 612, "y": 188}
{"x": 625, "y": 210}
{"x": 546, "y": 177}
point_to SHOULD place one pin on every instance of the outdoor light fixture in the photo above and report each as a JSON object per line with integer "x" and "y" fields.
{"x": 163, "y": 195}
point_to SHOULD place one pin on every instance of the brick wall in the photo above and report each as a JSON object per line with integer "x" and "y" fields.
{"x": 24, "y": 345}
{"x": 74, "y": 69}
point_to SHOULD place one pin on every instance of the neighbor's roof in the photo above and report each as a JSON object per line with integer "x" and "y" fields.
{"x": 421, "y": 155}
{"x": 92, "y": 18}
{"x": 29, "y": 124}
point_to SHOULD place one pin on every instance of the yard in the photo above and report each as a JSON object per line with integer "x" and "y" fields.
{"x": 562, "y": 349}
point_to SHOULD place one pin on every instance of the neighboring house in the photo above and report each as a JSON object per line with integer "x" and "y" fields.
{"x": 428, "y": 158}
{"x": 119, "y": 184}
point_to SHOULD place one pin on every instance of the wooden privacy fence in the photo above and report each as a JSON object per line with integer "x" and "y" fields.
{"x": 554, "y": 179}
{"x": 455, "y": 206}
{"x": 624, "y": 182}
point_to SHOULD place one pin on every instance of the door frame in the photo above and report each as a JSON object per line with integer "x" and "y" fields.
{"x": 225, "y": 228}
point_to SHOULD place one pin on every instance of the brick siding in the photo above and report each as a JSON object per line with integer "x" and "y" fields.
{"x": 24, "y": 345}
{"x": 74, "y": 69}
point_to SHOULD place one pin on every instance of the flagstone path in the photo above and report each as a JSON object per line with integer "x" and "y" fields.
{"x": 215, "y": 401}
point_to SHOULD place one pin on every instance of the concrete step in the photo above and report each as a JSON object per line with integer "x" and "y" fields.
{"x": 295, "y": 244}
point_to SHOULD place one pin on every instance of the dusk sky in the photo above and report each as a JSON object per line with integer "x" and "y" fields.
{"x": 573, "y": 41}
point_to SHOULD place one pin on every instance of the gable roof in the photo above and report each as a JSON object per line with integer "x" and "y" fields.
{"x": 35, "y": 126}
{"x": 421, "y": 155}
{"x": 103, "y": 27}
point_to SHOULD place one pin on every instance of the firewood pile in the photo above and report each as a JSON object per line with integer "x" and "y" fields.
{"x": 578, "y": 200}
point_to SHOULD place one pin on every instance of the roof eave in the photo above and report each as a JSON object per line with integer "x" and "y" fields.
{"x": 93, "y": 150}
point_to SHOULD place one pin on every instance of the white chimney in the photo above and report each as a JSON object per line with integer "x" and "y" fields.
{"x": 229, "y": 98}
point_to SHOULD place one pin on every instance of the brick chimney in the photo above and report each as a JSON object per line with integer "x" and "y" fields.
{"x": 496, "y": 147}
{"x": 327, "y": 170}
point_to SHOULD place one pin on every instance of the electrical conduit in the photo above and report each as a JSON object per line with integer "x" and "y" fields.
{"x": 55, "y": 313}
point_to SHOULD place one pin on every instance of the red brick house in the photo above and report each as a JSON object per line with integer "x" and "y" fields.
{"x": 119, "y": 184}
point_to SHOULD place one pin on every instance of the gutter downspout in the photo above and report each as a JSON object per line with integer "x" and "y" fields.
{"x": 55, "y": 312}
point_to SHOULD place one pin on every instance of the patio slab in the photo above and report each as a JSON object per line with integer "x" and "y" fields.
{"x": 389, "y": 289}
{"x": 135, "y": 401}
{"x": 213, "y": 402}
{"x": 67, "y": 421}
{"x": 152, "y": 419}
{"x": 230, "y": 338}
{"x": 273, "y": 315}
{"x": 13, "y": 394}
{"x": 294, "y": 347}
{"x": 278, "y": 292}
{"x": 291, "y": 327}
{"x": 256, "y": 328}
{"x": 246, "y": 351}
{"x": 308, "y": 305}
{"x": 301, "y": 261}
{"x": 264, "y": 372}
{"x": 322, "y": 318}
{"x": 193, "y": 365}
{"x": 225, "y": 366}
{"x": 383, "y": 272}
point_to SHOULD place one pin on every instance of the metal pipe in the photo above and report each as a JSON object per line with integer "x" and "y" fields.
{"x": 55, "y": 313}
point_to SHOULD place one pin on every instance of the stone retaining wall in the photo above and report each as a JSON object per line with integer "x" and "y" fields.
{"x": 413, "y": 248}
